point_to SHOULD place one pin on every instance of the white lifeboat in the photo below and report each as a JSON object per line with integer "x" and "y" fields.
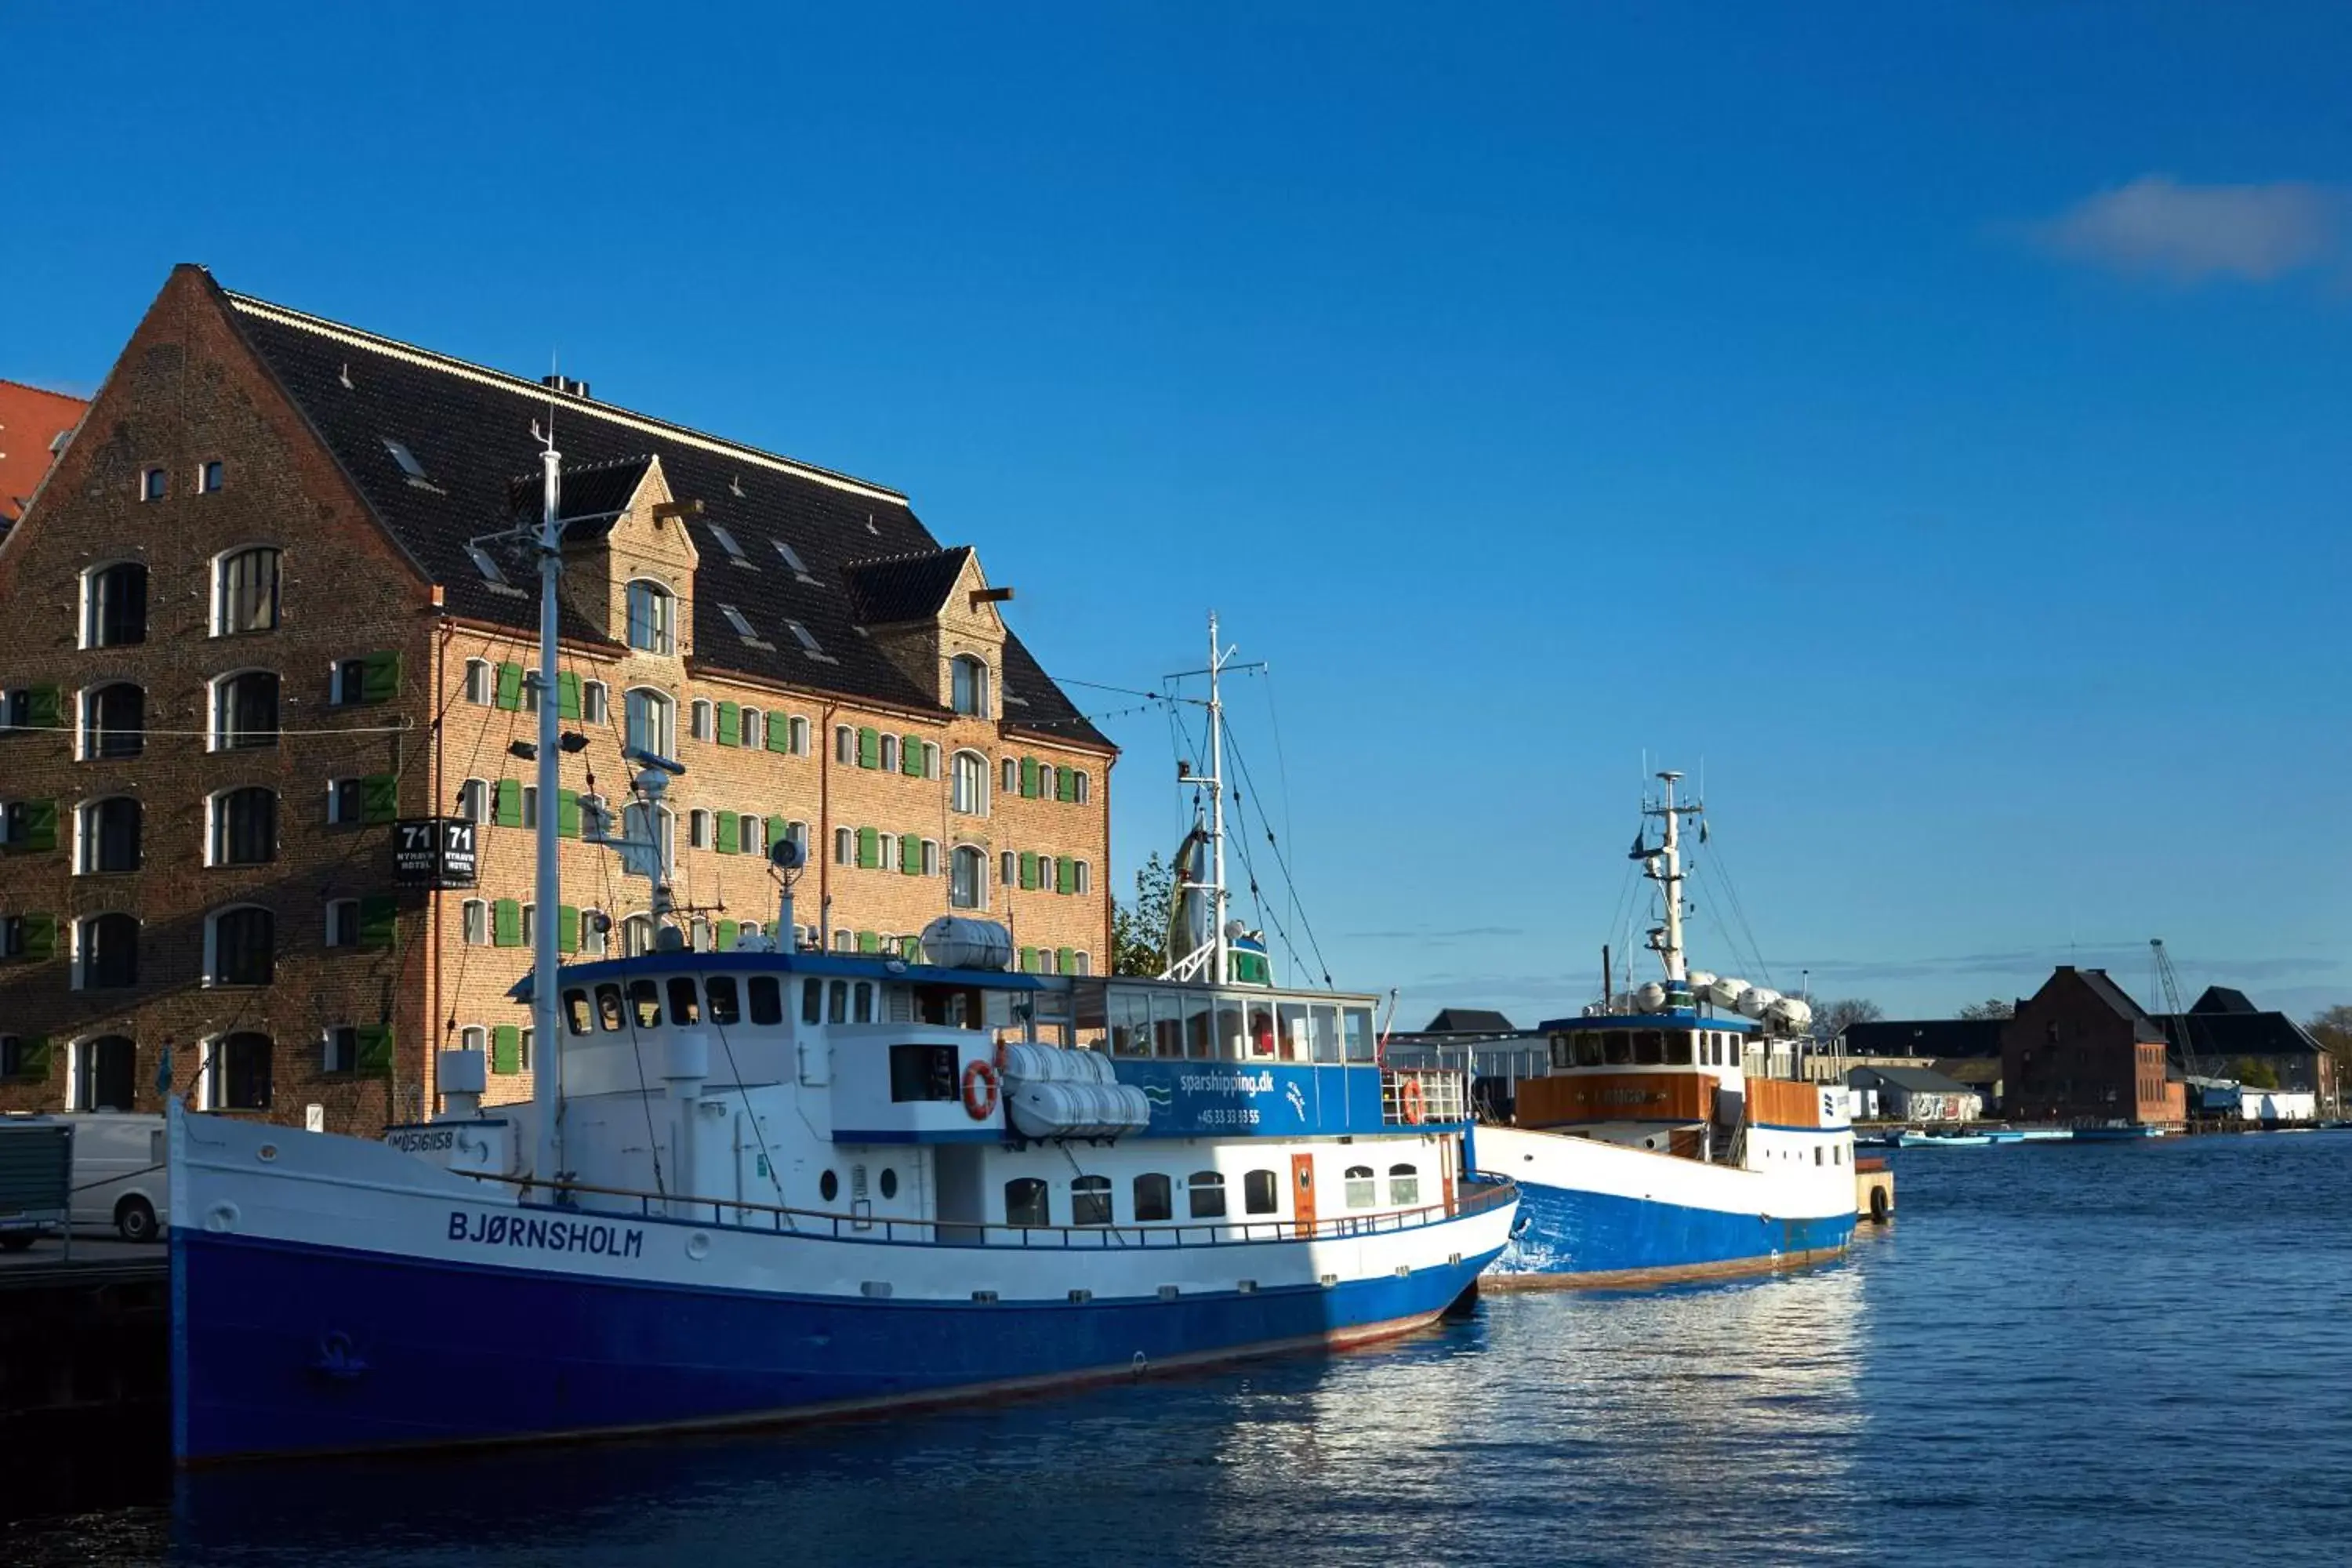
{"x": 1050, "y": 1092}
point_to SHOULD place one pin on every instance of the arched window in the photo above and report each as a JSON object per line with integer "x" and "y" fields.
{"x": 109, "y": 838}
{"x": 594, "y": 924}
{"x": 245, "y": 596}
{"x": 1011, "y": 784}
{"x": 1007, "y": 869}
{"x": 481, "y": 682}
{"x": 240, "y": 946}
{"x": 473, "y": 800}
{"x": 885, "y": 850}
{"x": 114, "y": 600}
{"x": 477, "y": 926}
{"x": 1154, "y": 1198}
{"x": 652, "y": 722}
{"x": 238, "y": 1073}
{"x": 653, "y": 617}
{"x": 1090, "y": 1200}
{"x": 751, "y": 833}
{"x": 1028, "y": 1200}
{"x": 660, "y": 830}
{"x": 697, "y": 829}
{"x": 755, "y": 730}
{"x": 967, "y": 877}
{"x": 796, "y": 736}
{"x": 1404, "y": 1186}
{"x": 245, "y": 710}
{"x": 1363, "y": 1187}
{"x": 244, "y": 827}
{"x": 103, "y": 1075}
{"x": 889, "y": 753}
{"x": 699, "y": 719}
{"x": 845, "y": 745}
{"x": 1261, "y": 1193}
{"x": 595, "y": 703}
{"x": 637, "y": 936}
{"x": 1081, "y": 877}
{"x": 930, "y": 861}
{"x": 106, "y": 952}
{"x": 1079, "y": 790}
{"x": 845, "y": 847}
{"x": 968, "y": 686}
{"x": 930, "y": 761}
{"x": 1086, "y": 964}
{"x": 967, "y": 784}
{"x": 113, "y": 721}
{"x": 1207, "y": 1190}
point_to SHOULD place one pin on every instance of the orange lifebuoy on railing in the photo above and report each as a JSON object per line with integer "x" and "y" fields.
{"x": 1408, "y": 1101}
{"x": 980, "y": 1091}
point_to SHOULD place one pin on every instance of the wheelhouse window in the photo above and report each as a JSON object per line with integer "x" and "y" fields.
{"x": 109, "y": 835}
{"x": 244, "y": 711}
{"x": 246, "y": 599}
{"x": 967, "y": 784}
{"x": 244, "y": 827}
{"x": 107, "y": 947}
{"x": 1363, "y": 1187}
{"x": 968, "y": 686}
{"x": 970, "y": 868}
{"x": 241, "y": 947}
{"x": 1154, "y": 1198}
{"x": 1207, "y": 1194}
{"x": 1404, "y": 1186}
{"x": 238, "y": 1073}
{"x": 113, "y": 721}
{"x": 1261, "y": 1193}
{"x": 922, "y": 1072}
{"x": 1028, "y": 1200}
{"x": 652, "y": 722}
{"x": 653, "y": 617}
{"x": 1090, "y": 1200}
{"x": 116, "y": 606}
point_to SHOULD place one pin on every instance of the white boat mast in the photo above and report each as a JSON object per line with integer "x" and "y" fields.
{"x": 547, "y": 1039}
{"x": 1217, "y": 656}
{"x": 1664, "y": 865}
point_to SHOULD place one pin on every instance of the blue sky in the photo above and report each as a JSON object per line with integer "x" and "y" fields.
{"x": 1937, "y": 432}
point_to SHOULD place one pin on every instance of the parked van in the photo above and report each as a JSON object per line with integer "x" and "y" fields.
{"x": 118, "y": 1177}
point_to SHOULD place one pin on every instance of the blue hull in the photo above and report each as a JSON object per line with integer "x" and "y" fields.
{"x": 1566, "y": 1236}
{"x": 286, "y": 1350}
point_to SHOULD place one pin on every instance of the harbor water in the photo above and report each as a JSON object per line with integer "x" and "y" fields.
{"x": 2057, "y": 1353}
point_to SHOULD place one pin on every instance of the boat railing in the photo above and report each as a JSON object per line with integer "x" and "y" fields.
{"x": 1413, "y": 1097}
{"x": 1474, "y": 1195}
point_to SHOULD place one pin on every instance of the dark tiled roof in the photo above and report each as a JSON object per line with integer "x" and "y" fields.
{"x": 1925, "y": 1038}
{"x": 469, "y": 431}
{"x": 1470, "y": 1021}
{"x": 589, "y": 496}
{"x": 2235, "y": 1034}
{"x": 2144, "y": 1027}
{"x": 2222, "y": 999}
{"x": 904, "y": 588}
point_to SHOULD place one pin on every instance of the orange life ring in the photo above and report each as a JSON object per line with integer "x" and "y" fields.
{"x": 1409, "y": 1102}
{"x": 980, "y": 1091}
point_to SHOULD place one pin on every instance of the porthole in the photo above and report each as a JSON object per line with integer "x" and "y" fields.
{"x": 889, "y": 1182}
{"x": 828, "y": 1186}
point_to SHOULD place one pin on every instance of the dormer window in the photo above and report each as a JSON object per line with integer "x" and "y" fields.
{"x": 968, "y": 686}
{"x": 653, "y": 617}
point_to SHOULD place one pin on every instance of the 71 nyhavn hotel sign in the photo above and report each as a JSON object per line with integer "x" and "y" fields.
{"x": 433, "y": 852}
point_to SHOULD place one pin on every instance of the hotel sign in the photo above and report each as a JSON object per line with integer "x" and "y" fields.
{"x": 434, "y": 852}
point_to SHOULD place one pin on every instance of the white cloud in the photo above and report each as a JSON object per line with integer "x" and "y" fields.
{"x": 2190, "y": 233}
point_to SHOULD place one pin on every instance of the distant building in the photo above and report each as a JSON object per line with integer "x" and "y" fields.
{"x": 1916, "y": 1094}
{"x": 35, "y": 425}
{"x": 1981, "y": 1073}
{"x": 2081, "y": 1050}
{"x": 1470, "y": 1021}
{"x": 2223, "y": 1032}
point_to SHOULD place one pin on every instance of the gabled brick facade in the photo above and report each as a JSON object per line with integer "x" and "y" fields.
{"x": 391, "y": 700}
{"x": 2081, "y": 1050}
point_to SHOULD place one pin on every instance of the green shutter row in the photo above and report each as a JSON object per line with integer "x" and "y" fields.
{"x": 379, "y": 797}
{"x": 1028, "y": 961}
{"x": 379, "y": 920}
{"x": 40, "y": 937}
{"x": 567, "y": 696}
{"x": 42, "y": 705}
{"x": 869, "y": 941}
{"x": 1028, "y": 871}
{"x": 1066, "y": 876}
{"x": 1065, "y": 784}
{"x": 730, "y": 724}
{"x": 778, "y": 831}
{"x": 374, "y": 1053}
{"x": 567, "y": 813}
{"x": 40, "y": 825}
{"x": 507, "y": 808}
{"x": 869, "y": 747}
{"x": 1029, "y": 770}
{"x": 33, "y": 1059}
{"x": 510, "y": 695}
{"x": 725, "y": 933}
{"x": 780, "y": 733}
{"x": 869, "y": 848}
{"x": 1066, "y": 961}
{"x": 910, "y": 854}
{"x": 505, "y": 1048}
{"x": 911, "y": 755}
{"x": 506, "y": 923}
{"x": 910, "y": 948}
{"x": 379, "y": 678}
{"x": 567, "y": 928}
{"x": 726, "y": 839}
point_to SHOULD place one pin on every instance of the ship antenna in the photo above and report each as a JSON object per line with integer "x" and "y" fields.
{"x": 1216, "y": 781}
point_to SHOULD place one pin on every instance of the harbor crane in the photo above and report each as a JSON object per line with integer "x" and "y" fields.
{"x": 2169, "y": 985}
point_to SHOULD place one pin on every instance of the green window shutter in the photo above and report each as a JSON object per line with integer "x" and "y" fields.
{"x": 911, "y": 755}
{"x": 910, "y": 948}
{"x": 509, "y": 687}
{"x": 41, "y": 706}
{"x": 379, "y": 677}
{"x": 379, "y": 797}
{"x": 1028, "y": 961}
{"x": 726, "y": 934}
{"x": 40, "y": 937}
{"x": 567, "y": 696}
{"x": 780, "y": 733}
{"x": 1029, "y": 870}
{"x": 379, "y": 920}
{"x": 567, "y": 813}
{"x": 1066, "y": 961}
{"x": 910, "y": 854}
{"x": 730, "y": 724}
{"x": 869, "y": 848}
{"x": 505, "y": 1048}
{"x": 40, "y": 826}
{"x": 567, "y": 928}
{"x": 506, "y": 923}
{"x": 507, "y": 811}
{"x": 778, "y": 830}
{"x": 33, "y": 1064}
{"x": 1066, "y": 875}
{"x": 1064, "y": 789}
{"x": 1028, "y": 778}
{"x": 869, "y": 747}
{"x": 869, "y": 941}
{"x": 727, "y": 844}
{"x": 374, "y": 1054}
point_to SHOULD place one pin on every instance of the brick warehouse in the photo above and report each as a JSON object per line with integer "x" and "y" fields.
{"x": 255, "y": 620}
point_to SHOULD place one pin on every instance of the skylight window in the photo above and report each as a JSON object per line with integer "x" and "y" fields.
{"x": 407, "y": 461}
{"x": 735, "y": 618}
{"x": 484, "y": 565}
{"x": 727, "y": 542}
{"x": 793, "y": 559}
{"x": 809, "y": 644}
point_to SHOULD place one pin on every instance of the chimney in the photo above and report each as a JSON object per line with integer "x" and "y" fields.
{"x": 565, "y": 385}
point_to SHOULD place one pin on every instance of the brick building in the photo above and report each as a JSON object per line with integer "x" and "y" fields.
{"x": 261, "y": 611}
{"x": 2080, "y": 1049}
{"x": 35, "y": 425}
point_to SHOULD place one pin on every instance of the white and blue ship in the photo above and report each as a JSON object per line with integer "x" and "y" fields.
{"x": 1669, "y": 1140}
{"x": 761, "y": 1184}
